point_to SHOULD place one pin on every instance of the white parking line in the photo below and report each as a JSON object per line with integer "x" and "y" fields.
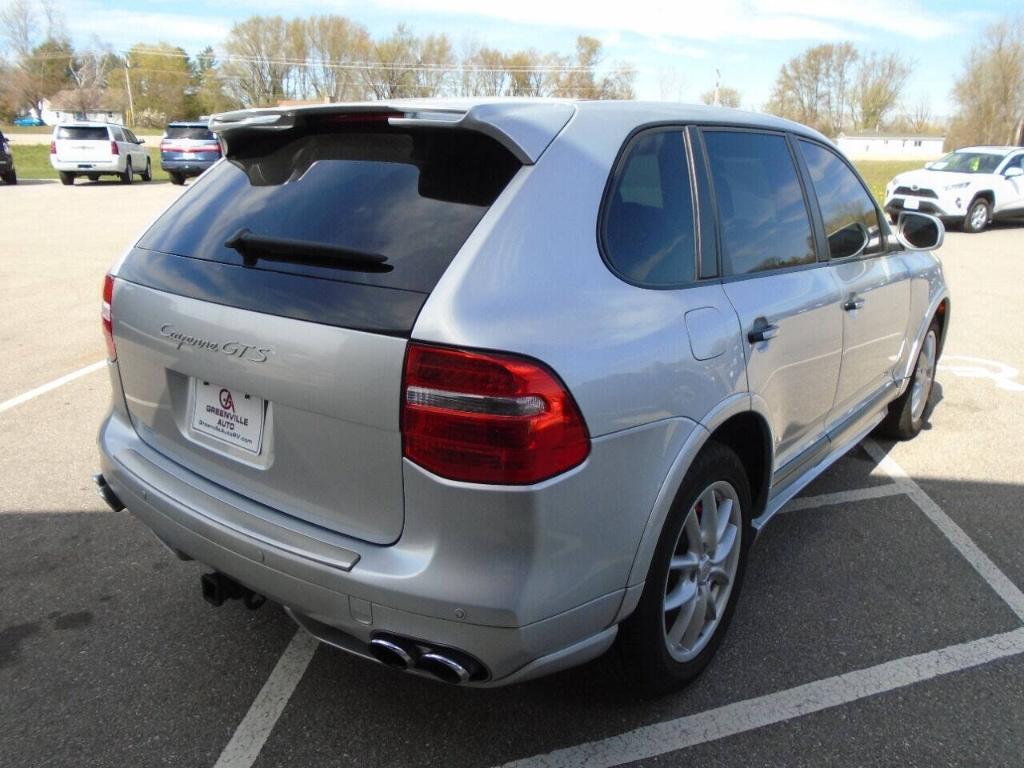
{"x": 259, "y": 721}
{"x": 844, "y": 497}
{"x": 6, "y": 405}
{"x": 713, "y": 724}
{"x": 989, "y": 571}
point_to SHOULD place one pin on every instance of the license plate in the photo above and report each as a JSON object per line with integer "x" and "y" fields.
{"x": 228, "y": 415}
{"x": 911, "y": 204}
{"x": 188, "y": 155}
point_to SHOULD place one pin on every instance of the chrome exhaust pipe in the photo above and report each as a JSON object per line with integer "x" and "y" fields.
{"x": 446, "y": 668}
{"x": 107, "y": 493}
{"x": 391, "y": 653}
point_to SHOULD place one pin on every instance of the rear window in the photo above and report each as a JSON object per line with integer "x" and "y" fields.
{"x": 195, "y": 132}
{"x": 412, "y": 196}
{"x": 82, "y": 133}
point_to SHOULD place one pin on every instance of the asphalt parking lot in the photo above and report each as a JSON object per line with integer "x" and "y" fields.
{"x": 882, "y": 620}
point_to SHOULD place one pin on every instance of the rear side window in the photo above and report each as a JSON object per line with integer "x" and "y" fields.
{"x": 761, "y": 205}
{"x": 412, "y": 196}
{"x": 196, "y": 133}
{"x": 648, "y": 231}
{"x": 82, "y": 133}
{"x": 849, "y": 215}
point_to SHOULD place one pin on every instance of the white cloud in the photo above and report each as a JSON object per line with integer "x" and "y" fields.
{"x": 717, "y": 21}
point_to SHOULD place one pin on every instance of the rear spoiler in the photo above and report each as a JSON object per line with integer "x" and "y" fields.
{"x": 524, "y": 127}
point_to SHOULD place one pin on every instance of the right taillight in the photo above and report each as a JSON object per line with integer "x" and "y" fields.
{"x": 487, "y": 417}
{"x": 107, "y": 317}
{"x": 53, "y": 147}
{"x": 113, "y": 148}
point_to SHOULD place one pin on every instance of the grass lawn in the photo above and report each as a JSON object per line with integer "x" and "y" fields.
{"x": 878, "y": 173}
{"x": 33, "y": 162}
{"x": 11, "y": 130}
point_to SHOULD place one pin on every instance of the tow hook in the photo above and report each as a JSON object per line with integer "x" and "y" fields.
{"x": 217, "y": 588}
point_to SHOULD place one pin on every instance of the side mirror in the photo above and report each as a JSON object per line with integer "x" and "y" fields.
{"x": 851, "y": 240}
{"x": 1012, "y": 173}
{"x": 140, "y": 141}
{"x": 919, "y": 231}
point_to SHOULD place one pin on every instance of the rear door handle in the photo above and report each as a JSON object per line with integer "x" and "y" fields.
{"x": 763, "y": 333}
{"x": 852, "y": 303}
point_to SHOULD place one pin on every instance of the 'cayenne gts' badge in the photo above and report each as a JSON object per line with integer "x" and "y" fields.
{"x": 249, "y": 352}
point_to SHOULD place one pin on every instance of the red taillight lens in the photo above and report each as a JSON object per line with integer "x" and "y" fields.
{"x": 105, "y": 314}
{"x": 53, "y": 147}
{"x": 488, "y": 418}
{"x": 113, "y": 148}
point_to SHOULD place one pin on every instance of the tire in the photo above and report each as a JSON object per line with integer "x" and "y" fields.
{"x": 67, "y": 179}
{"x": 11, "y": 177}
{"x": 128, "y": 176}
{"x": 177, "y": 178}
{"x": 978, "y": 214}
{"x": 906, "y": 415}
{"x": 147, "y": 175}
{"x": 652, "y": 663}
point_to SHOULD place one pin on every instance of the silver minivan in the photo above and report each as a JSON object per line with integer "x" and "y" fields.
{"x": 481, "y": 390}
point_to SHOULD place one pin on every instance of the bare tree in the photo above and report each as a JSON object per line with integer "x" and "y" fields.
{"x": 727, "y": 97}
{"x": 393, "y": 62}
{"x": 880, "y": 82}
{"x": 815, "y": 88}
{"x": 334, "y": 44}
{"x": 256, "y": 67}
{"x": 19, "y": 23}
{"x": 435, "y": 72}
{"x": 989, "y": 94}
{"x": 483, "y": 71}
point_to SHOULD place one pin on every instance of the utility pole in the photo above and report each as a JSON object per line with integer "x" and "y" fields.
{"x": 718, "y": 80}
{"x": 128, "y": 83}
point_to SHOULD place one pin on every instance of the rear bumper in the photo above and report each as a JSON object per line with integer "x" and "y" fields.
{"x": 346, "y": 591}
{"x": 186, "y": 167}
{"x": 114, "y": 165}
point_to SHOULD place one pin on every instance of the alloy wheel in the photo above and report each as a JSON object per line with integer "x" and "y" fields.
{"x": 702, "y": 571}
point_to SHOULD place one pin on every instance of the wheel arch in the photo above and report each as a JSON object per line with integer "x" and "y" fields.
{"x": 741, "y": 424}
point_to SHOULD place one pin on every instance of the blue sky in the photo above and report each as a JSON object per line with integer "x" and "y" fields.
{"x": 675, "y": 46}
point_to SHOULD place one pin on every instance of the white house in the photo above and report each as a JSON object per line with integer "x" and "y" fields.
{"x": 863, "y": 145}
{"x": 65, "y": 106}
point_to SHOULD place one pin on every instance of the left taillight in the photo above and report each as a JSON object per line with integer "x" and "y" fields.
{"x": 107, "y": 317}
{"x": 487, "y": 417}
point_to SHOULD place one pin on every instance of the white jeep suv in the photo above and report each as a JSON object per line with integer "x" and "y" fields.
{"x": 973, "y": 185}
{"x": 98, "y": 149}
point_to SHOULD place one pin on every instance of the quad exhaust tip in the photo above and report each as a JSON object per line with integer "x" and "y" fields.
{"x": 449, "y": 666}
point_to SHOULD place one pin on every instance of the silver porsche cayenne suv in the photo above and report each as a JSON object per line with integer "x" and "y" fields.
{"x": 482, "y": 390}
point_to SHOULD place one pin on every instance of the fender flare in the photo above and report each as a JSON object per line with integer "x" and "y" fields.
{"x": 741, "y": 402}
{"x": 904, "y": 373}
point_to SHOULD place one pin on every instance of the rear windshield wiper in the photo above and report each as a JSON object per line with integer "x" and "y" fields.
{"x": 254, "y": 247}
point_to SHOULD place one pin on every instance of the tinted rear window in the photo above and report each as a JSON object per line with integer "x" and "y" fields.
{"x": 412, "y": 196}
{"x": 82, "y": 133}
{"x": 196, "y": 132}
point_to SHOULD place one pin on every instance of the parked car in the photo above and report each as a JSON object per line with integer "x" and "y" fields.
{"x": 188, "y": 149}
{"x": 98, "y": 149}
{"x": 8, "y": 174}
{"x": 971, "y": 187}
{"x": 480, "y": 392}
{"x": 28, "y": 122}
